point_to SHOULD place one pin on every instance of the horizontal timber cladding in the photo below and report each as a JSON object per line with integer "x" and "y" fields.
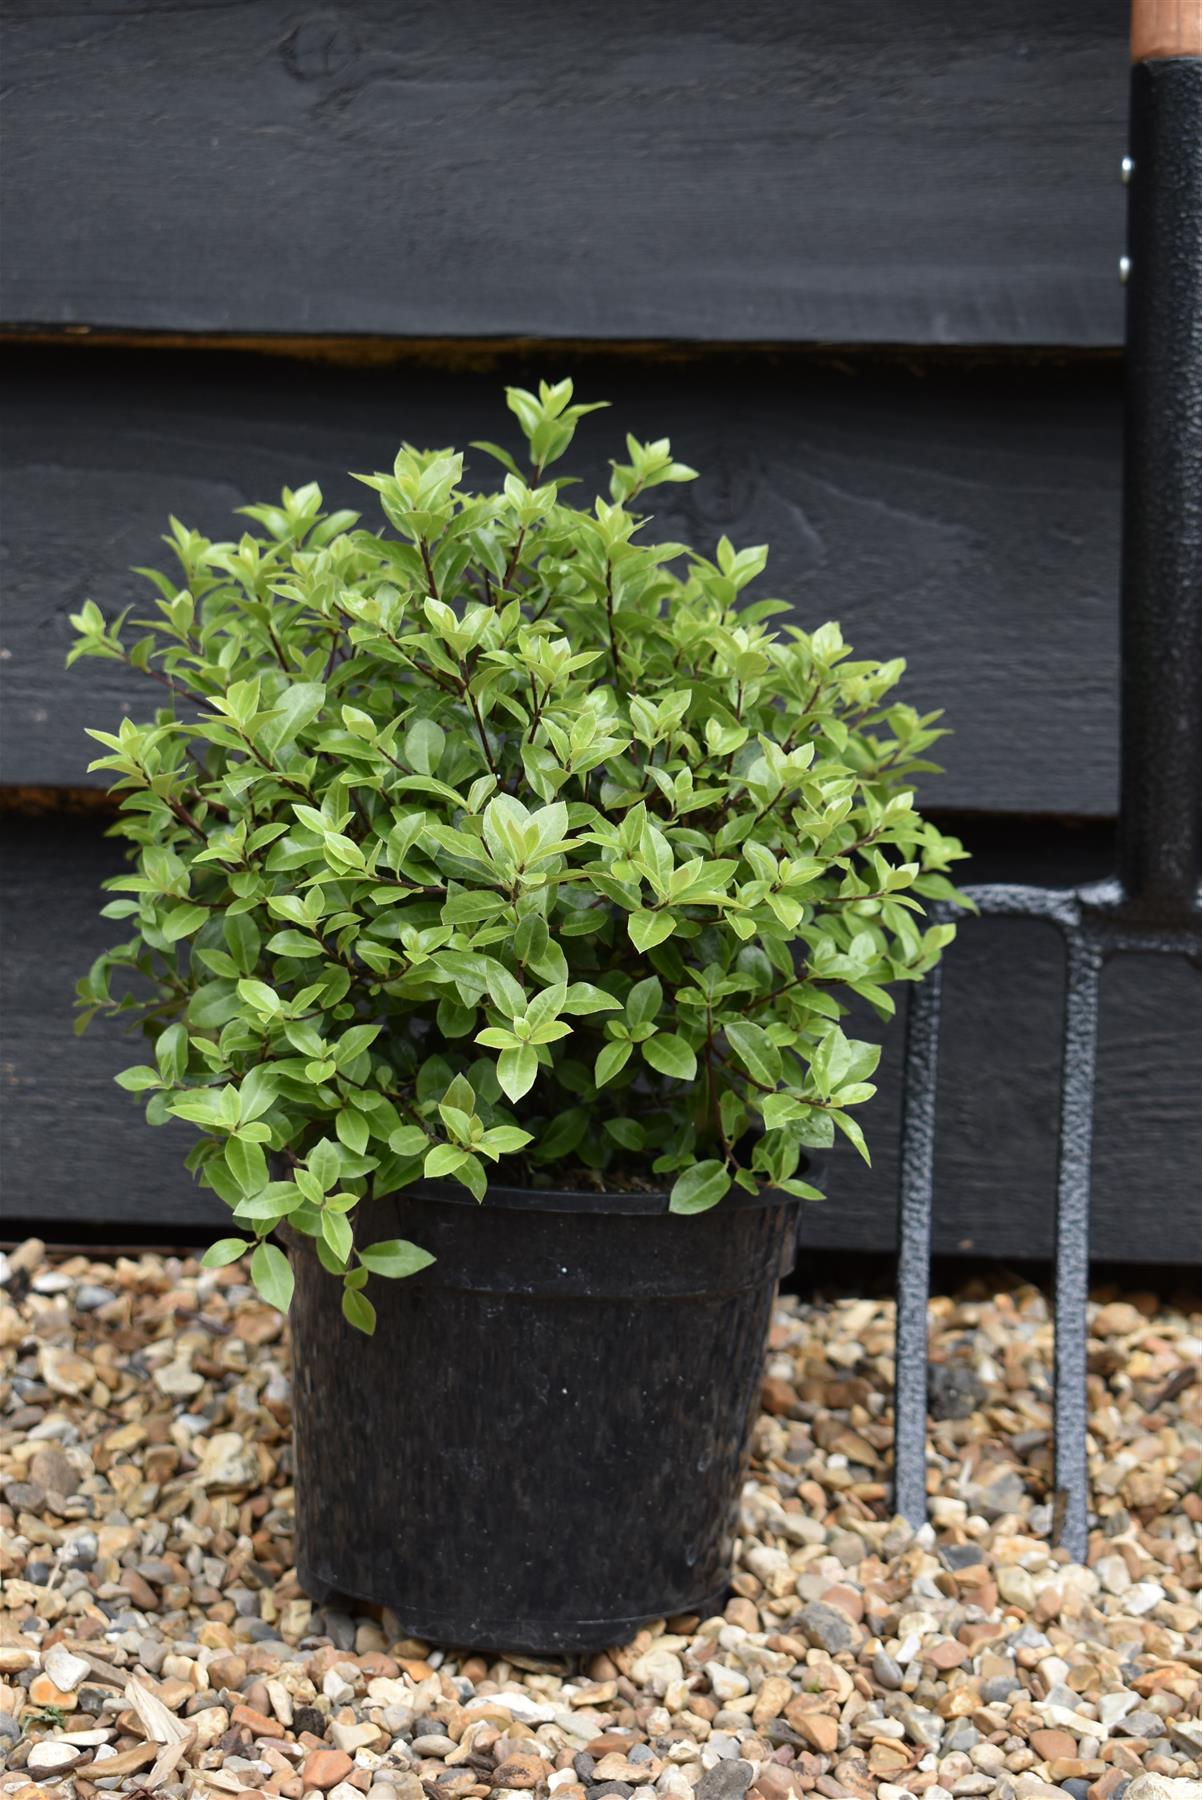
{"x": 926, "y": 173}
{"x": 964, "y": 516}
{"x": 76, "y": 1151}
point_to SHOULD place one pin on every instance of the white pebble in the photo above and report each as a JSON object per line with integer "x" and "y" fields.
{"x": 727, "y": 1684}
{"x": 65, "y": 1671}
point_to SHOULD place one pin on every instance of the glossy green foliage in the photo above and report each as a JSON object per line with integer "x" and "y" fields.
{"x": 508, "y": 835}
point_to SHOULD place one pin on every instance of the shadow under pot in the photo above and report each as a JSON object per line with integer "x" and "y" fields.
{"x": 542, "y": 1447}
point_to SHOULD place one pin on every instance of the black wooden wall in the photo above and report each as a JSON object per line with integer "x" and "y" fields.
{"x": 858, "y": 263}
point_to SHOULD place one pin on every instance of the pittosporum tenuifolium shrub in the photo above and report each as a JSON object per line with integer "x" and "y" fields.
{"x": 505, "y": 834}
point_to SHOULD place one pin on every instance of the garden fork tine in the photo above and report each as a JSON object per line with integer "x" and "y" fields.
{"x": 1154, "y": 905}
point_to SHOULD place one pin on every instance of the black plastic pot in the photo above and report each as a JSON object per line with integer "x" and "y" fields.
{"x": 542, "y": 1446}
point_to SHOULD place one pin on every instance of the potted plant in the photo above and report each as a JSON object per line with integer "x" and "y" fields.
{"x": 506, "y": 838}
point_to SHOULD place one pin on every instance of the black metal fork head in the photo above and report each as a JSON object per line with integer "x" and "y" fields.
{"x": 1154, "y": 905}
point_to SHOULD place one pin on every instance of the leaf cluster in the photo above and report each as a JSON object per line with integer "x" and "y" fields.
{"x": 501, "y": 833}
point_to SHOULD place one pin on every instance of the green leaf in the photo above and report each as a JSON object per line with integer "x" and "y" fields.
{"x": 780, "y": 1109}
{"x": 242, "y": 940}
{"x": 224, "y": 1252}
{"x": 258, "y": 995}
{"x": 353, "y": 1130}
{"x": 830, "y": 1060}
{"x": 644, "y": 1001}
{"x": 671, "y": 1055}
{"x": 324, "y": 1164}
{"x": 790, "y": 1185}
{"x": 649, "y": 928}
{"x": 297, "y": 707}
{"x": 442, "y": 1159}
{"x": 394, "y": 1257}
{"x": 354, "y": 1042}
{"x": 505, "y": 1140}
{"x": 247, "y": 1164}
{"x": 584, "y": 997}
{"x": 424, "y": 745}
{"x": 294, "y": 943}
{"x": 275, "y": 1202}
{"x": 182, "y": 921}
{"x": 627, "y": 1132}
{"x": 257, "y": 1093}
{"x": 200, "y": 1106}
{"x": 336, "y": 1230}
{"x": 136, "y": 1081}
{"x": 755, "y": 1050}
{"x": 171, "y": 1052}
{"x": 851, "y": 1130}
{"x": 506, "y": 994}
{"x": 610, "y": 1060}
{"x": 358, "y": 1311}
{"x": 272, "y": 1276}
{"x": 516, "y": 1071}
{"x": 699, "y": 1188}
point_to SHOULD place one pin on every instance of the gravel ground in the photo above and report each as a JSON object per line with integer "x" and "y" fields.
{"x": 153, "y": 1636}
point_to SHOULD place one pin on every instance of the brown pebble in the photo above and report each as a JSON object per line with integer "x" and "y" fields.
{"x": 376, "y": 1665}
{"x": 227, "y": 1671}
{"x": 522, "y": 1770}
{"x": 326, "y": 1768}
{"x": 256, "y": 1722}
{"x": 141, "y": 1594}
{"x": 776, "y": 1783}
{"x": 847, "y": 1599}
{"x": 54, "y": 1471}
{"x": 818, "y": 1729}
{"x": 776, "y": 1396}
{"x": 614, "y": 1740}
{"x": 43, "y": 1692}
{"x": 1051, "y": 1743}
{"x": 1104, "y": 1786}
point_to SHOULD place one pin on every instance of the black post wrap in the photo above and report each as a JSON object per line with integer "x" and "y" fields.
{"x": 1161, "y": 799}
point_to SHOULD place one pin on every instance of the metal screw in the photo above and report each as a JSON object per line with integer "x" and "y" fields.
{"x": 1124, "y": 269}
{"x": 1127, "y": 168}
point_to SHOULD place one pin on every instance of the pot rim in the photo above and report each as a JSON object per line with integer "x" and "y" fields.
{"x": 503, "y": 1198}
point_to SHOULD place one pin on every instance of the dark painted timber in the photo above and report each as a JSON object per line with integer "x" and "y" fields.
{"x": 963, "y": 516}
{"x": 76, "y": 1151}
{"x": 882, "y": 174}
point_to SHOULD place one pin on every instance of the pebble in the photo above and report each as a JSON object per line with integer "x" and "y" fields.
{"x": 146, "y": 1535}
{"x": 325, "y": 1768}
{"x": 727, "y": 1780}
{"x": 47, "y": 1760}
{"x": 826, "y": 1627}
{"x": 1161, "y": 1787}
{"x": 65, "y": 1671}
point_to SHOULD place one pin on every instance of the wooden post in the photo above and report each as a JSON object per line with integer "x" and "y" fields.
{"x": 1161, "y": 28}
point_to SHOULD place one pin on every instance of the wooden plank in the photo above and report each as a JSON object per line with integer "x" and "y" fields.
{"x": 965, "y": 517}
{"x": 997, "y": 1108}
{"x": 926, "y": 174}
{"x": 72, "y": 1152}
{"x": 76, "y": 1150}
